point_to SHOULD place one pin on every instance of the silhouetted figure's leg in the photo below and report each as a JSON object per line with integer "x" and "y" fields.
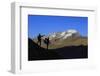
{"x": 47, "y": 46}
{"x": 48, "y": 42}
{"x": 40, "y": 42}
{"x": 39, "y": 39}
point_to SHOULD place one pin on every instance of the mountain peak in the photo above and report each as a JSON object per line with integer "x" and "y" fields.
{"x": 64, "y": 34}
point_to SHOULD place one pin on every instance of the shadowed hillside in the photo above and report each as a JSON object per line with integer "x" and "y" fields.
{"x": 36, "y": 52}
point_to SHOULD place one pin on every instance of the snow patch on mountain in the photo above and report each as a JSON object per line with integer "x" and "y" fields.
{"x": 64, "y": 34}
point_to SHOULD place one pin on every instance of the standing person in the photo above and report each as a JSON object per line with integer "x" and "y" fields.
{"x": 39, "y": 37}
{"x": 47, "y": 42}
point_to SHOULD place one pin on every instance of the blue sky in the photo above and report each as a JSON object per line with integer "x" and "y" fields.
{"x": 45, "y": 24}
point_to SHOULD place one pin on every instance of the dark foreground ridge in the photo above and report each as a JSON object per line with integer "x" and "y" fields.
{"x": 36, "y": 52}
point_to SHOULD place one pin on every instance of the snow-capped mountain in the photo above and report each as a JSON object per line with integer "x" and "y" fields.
{"x": 70, "y": 37}
{"x": 64, "y": 34}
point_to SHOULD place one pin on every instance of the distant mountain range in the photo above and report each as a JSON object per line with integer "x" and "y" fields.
{"x": 70, "y": 37}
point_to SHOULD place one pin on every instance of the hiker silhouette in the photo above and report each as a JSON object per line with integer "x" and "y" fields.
{"x": 47, "y": 42}
{"x": 39, "y": 37}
